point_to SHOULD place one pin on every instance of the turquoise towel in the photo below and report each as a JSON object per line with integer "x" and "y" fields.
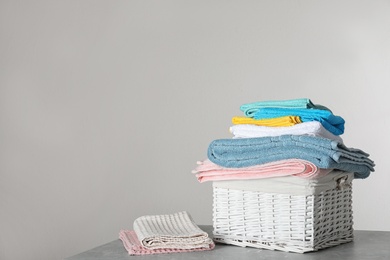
{"x": 323, "y": 152}
{"x": 334, "y": 124}
{"x": 251, "y": 108}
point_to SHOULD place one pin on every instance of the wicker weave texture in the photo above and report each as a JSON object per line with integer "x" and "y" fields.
{"x": 292, "y": 223}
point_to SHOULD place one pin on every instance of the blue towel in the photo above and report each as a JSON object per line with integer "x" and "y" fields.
{"x": 323, "y": 152}
{"x": 251, "y": 108}
{"x": 332, "y": 123}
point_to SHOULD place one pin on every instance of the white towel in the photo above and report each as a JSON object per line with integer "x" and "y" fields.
{"x": 313, "y": 128}
{"x": 176, "y": 230}
{"x": 291, "y": 184}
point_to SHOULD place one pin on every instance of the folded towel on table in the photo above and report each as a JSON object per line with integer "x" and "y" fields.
{"x": 176, "y": 231}
{"x": 279, "y": 121}
{"x": 334, "y": 124}
{"x": 323, "y": 152}
{"x": 313, "y": 128}
{"x": 250, "y": 108}
{"x": 134, "y": 247}
{"x": 290, "y": 184}
{"x": 209, "y": 171}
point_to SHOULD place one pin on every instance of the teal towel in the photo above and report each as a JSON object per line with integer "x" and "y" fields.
{"x": 332, "y": 123}
{"x": 323, "y": 152}
{"x": 251, "y": 108}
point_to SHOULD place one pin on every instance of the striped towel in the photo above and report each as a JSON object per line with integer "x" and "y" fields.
{"x": 134, "y": 247}
{"x": 176, "y": 231}
{"x": 272, "y": 122}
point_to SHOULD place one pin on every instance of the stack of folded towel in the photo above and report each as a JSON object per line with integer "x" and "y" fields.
{"x": 159, "y": 234}
{"x": 283, "y": 138}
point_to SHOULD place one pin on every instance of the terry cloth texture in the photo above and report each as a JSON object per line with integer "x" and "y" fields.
{"x": 279, "y": 121}
{"x": 290, "y": 184}
{"x": 251, "y": 108}
{"x": 334, "y": 124}
{"x": 134, "y": 247}
{"x": 209, "y": 171}
{"x": 176, "y": 230}
{"x": 323, "y": 152}
{"x": 313, "y": 128}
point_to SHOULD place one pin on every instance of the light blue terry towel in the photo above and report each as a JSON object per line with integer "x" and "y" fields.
{"x": 323, "y": 152}
{"x": 334, "y": 124}
{"x": 251, "y": 108}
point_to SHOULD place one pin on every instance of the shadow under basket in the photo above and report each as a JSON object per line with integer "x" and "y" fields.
{"x": 290, "y": 223}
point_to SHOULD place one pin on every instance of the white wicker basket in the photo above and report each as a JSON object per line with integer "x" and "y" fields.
{"x": 292, "y": 223}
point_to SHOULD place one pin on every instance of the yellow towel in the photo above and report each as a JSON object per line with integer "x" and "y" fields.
{"x": 278, "y": 121}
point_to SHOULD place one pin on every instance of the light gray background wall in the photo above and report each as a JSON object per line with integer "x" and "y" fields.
{"x": 105, "y": 106}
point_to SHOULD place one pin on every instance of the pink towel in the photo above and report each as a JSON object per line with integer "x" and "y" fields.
{"x": 209, "y": 171}
{"x": 134, "y": 247}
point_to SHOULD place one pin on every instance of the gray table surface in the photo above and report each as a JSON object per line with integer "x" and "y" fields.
{"x": 366, "y": 245}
